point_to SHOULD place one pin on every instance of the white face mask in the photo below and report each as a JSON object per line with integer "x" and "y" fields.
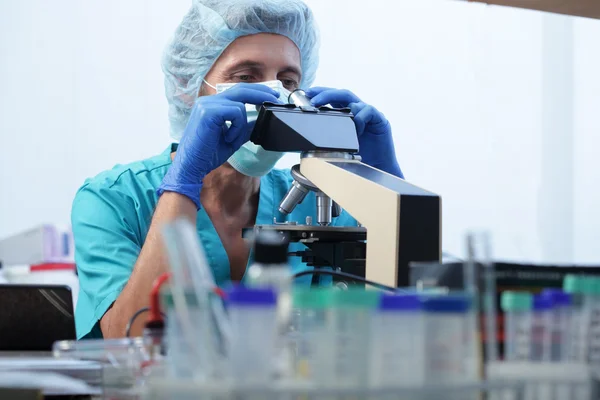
{"x": 251, "y": 159}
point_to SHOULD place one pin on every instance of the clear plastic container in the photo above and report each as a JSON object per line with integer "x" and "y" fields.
{"x": 445, "y": 321}
{"x": 129, "y": 350}
{"x": 198, "y": 356}
{"x": 180, "y": 361}
{"x": 397, "y": 343}
{"x": 197, "y": 323}
{"x": 279, "y": 278}
{"x": 541, "y": 328}
{"x": 121, "y": 360}
{"x": 254, "y": 330}
{"x": 349, "y": 322}
{"x": 517, "y": 308}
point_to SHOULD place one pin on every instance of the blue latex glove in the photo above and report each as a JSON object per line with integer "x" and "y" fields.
{"x": 374, "y": 131}
{"x": 207, "y": 142}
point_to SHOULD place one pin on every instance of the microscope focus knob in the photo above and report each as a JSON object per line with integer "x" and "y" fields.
{"x": 336, "y": 210}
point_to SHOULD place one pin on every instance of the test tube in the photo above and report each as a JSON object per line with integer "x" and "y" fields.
{"x": 313, "y": 357}
{"x": 593, "y": 288}
{"x": 575, "y": 286}
{"x": 445, "y": 321}
{"x": 517, "y": 307}
{"x": 541, "y": 328}
{"x": 588, "y": 318}
{"x": 397, "y": 342}
{"x": 349, "y": 320}
{"x": 561, "y": 320}
{"x": 581, "y": 290}
{"x": 253, "y": 315}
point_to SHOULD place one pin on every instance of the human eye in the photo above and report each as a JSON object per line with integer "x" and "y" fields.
{"x": 289, "y": 84}
{"x": 244, "y": 78}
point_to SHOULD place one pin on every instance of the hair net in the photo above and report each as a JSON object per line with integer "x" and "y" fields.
{"x": 210, "y": 26}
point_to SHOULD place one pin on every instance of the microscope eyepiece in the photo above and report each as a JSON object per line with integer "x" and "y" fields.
{"x": 299, "y": 99}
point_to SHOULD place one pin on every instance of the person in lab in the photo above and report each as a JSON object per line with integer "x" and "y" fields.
{"x": 213, "y": 176}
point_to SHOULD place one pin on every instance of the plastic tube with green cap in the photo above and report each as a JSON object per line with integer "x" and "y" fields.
{"x": 588, "y": 319}
{"x": 594, "y": 321}
{"x": 575, "y": 285}
{"x": 517, "y": 308}
{"x": 349, "y": 324}
{"x": 313, "y": 359}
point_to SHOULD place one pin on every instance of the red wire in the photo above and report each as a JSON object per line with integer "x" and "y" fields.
{"x": 219, "y": 292}
{"x": 155, "y": 315}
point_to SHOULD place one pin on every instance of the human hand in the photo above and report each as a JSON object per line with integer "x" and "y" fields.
{"x": 207, "y": 141}
{"x": 376, "y": 144}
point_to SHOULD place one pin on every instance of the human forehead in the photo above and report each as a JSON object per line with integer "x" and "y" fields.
{"x": 265, "y": 50}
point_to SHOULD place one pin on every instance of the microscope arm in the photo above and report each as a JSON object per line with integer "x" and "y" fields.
{"x": 386, "y": 206}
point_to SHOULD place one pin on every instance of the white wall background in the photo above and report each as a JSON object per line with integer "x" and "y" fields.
{"x": 493, "y": 108}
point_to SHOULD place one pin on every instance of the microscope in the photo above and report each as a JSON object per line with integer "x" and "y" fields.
{"x": 399, "y": 223}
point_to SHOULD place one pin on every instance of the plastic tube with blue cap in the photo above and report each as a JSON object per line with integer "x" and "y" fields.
{"x": 445, "y": 322}
{"x": 560, "y": 322}
{"x": 541, "y": 328}
{"x": 397, "y": 342}
{"x": 254, "y": 331}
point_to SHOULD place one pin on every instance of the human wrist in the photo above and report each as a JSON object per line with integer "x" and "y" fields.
{"x": 189, "y": 191}
{"x": 174, "y": 205}
{"x": 183, "y": 171}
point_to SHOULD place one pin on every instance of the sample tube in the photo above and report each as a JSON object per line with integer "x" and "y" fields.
{"x": 445, "y": 321}
{"x": 182, "y": 361}
{"x": 313, "y": 359}
{"x": 517, "y": 307}
{"x": 271, "y": 269}
{"x": 575, "y": 286}
{"x": 541, "y": 328}
{"x": 349, "y": 323}
{"x": 254, "y": 327}
{"x": 586, "y": 291}
{"x": 593, "y": 289}
{"x": 561, "y": 320}
{"x": 397, "y": 342}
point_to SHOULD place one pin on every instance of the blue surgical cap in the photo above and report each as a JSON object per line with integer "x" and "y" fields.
{"x": 210, "y": 26}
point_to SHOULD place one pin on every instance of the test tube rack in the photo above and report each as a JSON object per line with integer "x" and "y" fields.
{"x": 548, "y": 381}
{"x": 187, "y": 389}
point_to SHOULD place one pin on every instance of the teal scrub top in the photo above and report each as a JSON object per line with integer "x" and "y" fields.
{"x": 111, "y": 216}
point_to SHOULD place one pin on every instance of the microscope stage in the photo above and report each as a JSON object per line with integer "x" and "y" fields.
{"x": 316, "y": 233}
